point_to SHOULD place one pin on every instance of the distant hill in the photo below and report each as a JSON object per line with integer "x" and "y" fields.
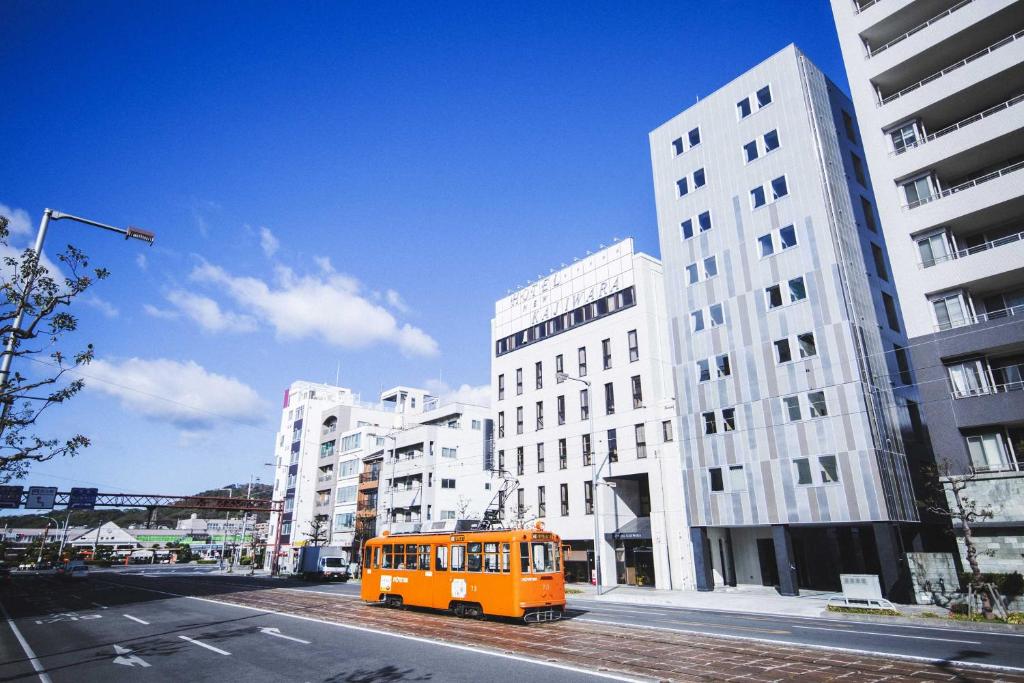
{"x": 163, "y": 516}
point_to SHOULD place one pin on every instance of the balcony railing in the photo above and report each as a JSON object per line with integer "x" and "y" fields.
{"x": 325, "y": 477}
{"x": 365, "y": 477}
{"x": 984, "y": 317}
{"x": 859, "y": 7}
{"x": 952, "y": 67}
{"x": 976, "y": 249}
{"x": 1003, "y": 467}
{"x": 966, "y": 185}
{"x": 916, "y": 29}
{"x": 1016, "y": 99}
{"x": 994, "y": 388}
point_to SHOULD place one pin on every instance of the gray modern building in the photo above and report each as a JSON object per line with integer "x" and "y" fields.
{"x": 939, "y": 89}
{"x": 783, "y": 321}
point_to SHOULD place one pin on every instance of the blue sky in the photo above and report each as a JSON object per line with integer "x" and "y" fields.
{"x": 344, "y": 184}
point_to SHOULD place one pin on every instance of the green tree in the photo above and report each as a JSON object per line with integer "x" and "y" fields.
{"x": 31, "y": 389}
{"x": 317, "y": 534}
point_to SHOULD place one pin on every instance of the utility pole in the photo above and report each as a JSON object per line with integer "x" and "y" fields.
{"x": 224, "y": 531}
{"x": 245, "y": 522}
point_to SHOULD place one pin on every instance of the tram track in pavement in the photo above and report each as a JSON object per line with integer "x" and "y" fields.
{"x": 628, "y": 650}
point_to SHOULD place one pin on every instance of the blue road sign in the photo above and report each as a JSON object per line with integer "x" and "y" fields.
{"x": 10, "y": 496}
{"x": 82, "y": 499}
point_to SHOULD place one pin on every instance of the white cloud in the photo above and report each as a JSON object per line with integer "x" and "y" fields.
{"x": 163, "y": 313}
{"x": 102, "y": 305}
{"x": 329, "y": 306}
{"x": 208, "y": 313}
{"x": 141, "y": 262}
{"x": 20, "y": 223}
{"x": 268, "y": 243}
{"x": 479, "y": 395}
{"x": 394, "y": 300}
{"x": 182, "y": 393}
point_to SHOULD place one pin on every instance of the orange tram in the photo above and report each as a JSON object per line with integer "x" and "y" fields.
{"x": 513, "y": 573}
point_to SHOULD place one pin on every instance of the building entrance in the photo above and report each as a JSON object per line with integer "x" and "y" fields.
{"x": 634, "y": 564}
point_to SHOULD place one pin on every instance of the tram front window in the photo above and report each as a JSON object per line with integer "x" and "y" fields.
{"x": 545, "y": 557}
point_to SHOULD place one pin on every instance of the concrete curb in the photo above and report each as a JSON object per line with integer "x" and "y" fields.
{"x": 926, "y": 622}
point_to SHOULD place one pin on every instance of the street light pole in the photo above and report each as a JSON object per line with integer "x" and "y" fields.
{"x": 593, "y": 477}
{"x": 46, "y": 532}
{"x": 224, "y": 531}
{"x": 48, "y": 215}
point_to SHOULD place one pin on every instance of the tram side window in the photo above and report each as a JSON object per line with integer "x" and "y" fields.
{"x": 376, "y": 556}
{"x": 524, "y": 558}
{"x": 410, "y": 556}
{"x": 425, "y": 557}
{"x": 441, "y": 561}
{"x": 386, "y": 563}
{"x": 543, "y": 557}
{"x": 475, "y": 559}
{"x": 506, "y": 558}
{"x": 491, "y": 557}
{"x": 367, "y": 557}
{"x": 458, "y": 558}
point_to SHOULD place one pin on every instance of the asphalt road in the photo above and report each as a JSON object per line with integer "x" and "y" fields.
{"x": 1004, "y": 649}
{"x": 106, "y": 629}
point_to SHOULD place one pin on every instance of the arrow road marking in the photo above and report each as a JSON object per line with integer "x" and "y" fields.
{"x": 276, "y": 632}
{"x": 136, "y": 619}
{"x": 130, "y": 660}
{"x": 202, "y": 644}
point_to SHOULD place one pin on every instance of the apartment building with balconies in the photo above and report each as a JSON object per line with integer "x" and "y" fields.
{"x": 939, "y": 91}
{"x": 434, "y": 469}
{"x": 784, "y": 327}
{"x": 581, "y": 376}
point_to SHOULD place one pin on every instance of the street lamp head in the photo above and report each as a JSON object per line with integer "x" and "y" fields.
{"x": 561, "y": 376}
{"x": 132, "y": 232}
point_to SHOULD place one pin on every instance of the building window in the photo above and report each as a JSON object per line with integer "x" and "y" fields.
{"x": 891, "y": 315}
{"x": 791, "y": 406}
{"x": 828, "y": 469}
{"x": 816, "y": 404}
{"x": 539, "y": 374}
{"x": 613, "y": 447}
{"x": 560, "y": 409}
{"x": 563, "y": 495}
{"x": 716, "y": 480}
{"x": 501, "y": 461}
{"x": 795, "y": 287}
{"x": 581, "y": 357}
{"x": 904, "y": 137}
{"x": 588, "y": 497}
{"x": 697, "y": 180}
{"x": 782, "y": 352}
{"x": 606, "y": 353}
{"x": 686, "y": 143}
{"x": 858, "y": 170}
{"x": 702, "y": 222}
{"x": 640, "y": 432}
{"x": 918, "y": 191}
{"x": 447, "y": 483}
{"x": 501, "y": 424}
{"x": 634, "y": 349}
{"x": 759, "y": 100}
{"x": 950, "y": 311}
{"x": 934, "y": 248}
{"x": 519, "y": 420}
{"x": 666, "y": 431}
{"x": 683, "y": 186}
{"x": 542, "y": 506}
{"x": 776, "y": 189}
{"x": 703, "y": 370}
{"x": 638, "y": 394}
{"x": 563, "y": 454}
{"x": 988, "y": 452}
{"x": 585, "y": 443}
{"x": 710, "y": 423}
{"x": 760, "y": 146}
{"x": 520, "y": 502}
{"x": 879, "y": 257}
{"x": 540, "y": 457}
{"x": 722, "y": 365}
{"x": 519, "y": 381}
{"x": 806, "y": 344}
{"x": 902, "y": 364}
{"x": 609, "y": 399}
{"x": 559, "y": 369}
{"x": 692, "y": 274}
{"x": 802, "y": 471}
{"x": 540, "y": 415}
{"x": 501, "y": 387}
{"x": 777, "y": 240}
{"x": 520, "y": 462}
{"x": 449, "y": 452}
{"x": 728, "y": 419}
{"x": 848, "y": 126}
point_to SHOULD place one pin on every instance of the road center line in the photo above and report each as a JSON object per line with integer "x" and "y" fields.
{"x": 136, "y": 619}
{"x": 207, "y": 646}
{"x": 889, "y": 635}
{"x": 43, "y": 677}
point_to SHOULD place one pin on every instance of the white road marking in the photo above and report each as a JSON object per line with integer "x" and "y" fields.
{"x": 631, "y": 611}
{"x": 889, "y": 635}
{"x": 128, "y": 616}
{"x": 43, "y": 677}
{"x": 276, "y": 632}
{"x": 202, "y": 644}
{"x": 131, "y": 660}
{"x": 306, "y": 590}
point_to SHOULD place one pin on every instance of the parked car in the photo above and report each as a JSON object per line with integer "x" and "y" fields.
{"x": 73, "y": 569}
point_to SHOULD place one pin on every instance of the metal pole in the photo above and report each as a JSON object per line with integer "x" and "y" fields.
{"x": 12, "y": 338}
{"x": 42, "y": 543}
{"x": 594, "y": 487}
{"x": 224, "y": 533}
{"x": 391, "y": 484}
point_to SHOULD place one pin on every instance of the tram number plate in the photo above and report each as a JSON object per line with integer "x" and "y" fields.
{"x": 543, "y": 537}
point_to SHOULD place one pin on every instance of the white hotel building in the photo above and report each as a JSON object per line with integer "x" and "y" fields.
{"x": 601, "y": 322}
